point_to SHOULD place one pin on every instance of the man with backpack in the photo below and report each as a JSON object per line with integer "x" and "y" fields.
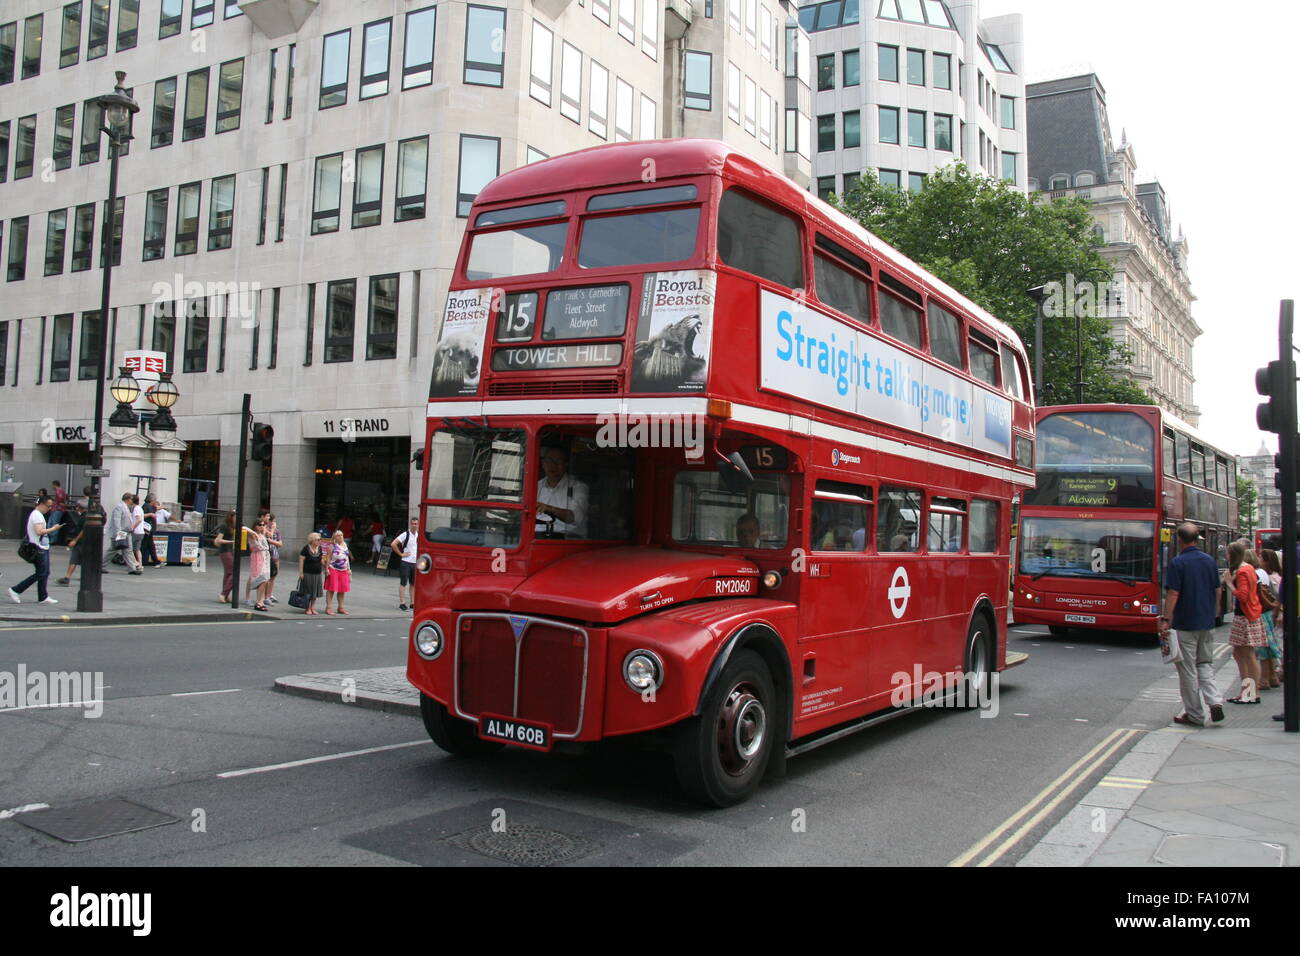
{"x": 406, "y": 546}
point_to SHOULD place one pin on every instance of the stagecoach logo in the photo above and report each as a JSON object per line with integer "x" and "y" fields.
{"x": 900, "y": 589}
{"x": 838, "y": 456}
{"x": 517, "y": 624}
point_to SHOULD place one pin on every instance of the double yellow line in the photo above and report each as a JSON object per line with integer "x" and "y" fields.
{"x": 1047, "y": 800}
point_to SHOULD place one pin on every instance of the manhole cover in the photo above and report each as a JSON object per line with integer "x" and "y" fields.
{"x": 94, "y": 821}
{"x": 524, "y": 845}
{"x": 1189, "y": 849}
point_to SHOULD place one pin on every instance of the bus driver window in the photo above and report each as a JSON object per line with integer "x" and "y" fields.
{"x": 561, "y": 498}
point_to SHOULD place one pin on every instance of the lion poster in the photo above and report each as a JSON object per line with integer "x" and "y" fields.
{"x": 459, "y": 356}
{"x": 673, "y": 330}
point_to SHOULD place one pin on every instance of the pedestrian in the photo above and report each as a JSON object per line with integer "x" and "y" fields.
{"x": 376, "y": 532}
{"x": 117, "y": 536}
{"x": 1191, "y": 597}
{"x": 406, "y": 546}
{"x": 338, "y": 573}
{"x": 225, "y": 543}
{"x": 137, "y": 532}
{"x": 150, "y": 553}
{"x": 311, "y": 571}
{"x": 259, "y": 562}
{"x": 38, "y": 533}
{"x": 1270, "y": 656}
{"x": 275, "y": 542}
{"x": 74, "y": 529}
{"x": 60, "y": 509}
{"x": 249, "y": 600}
{"x": 1247, "y": 628}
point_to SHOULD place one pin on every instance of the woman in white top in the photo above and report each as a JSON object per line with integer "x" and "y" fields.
{"x": 137, "y": 532}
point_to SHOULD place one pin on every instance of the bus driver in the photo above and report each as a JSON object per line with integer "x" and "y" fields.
{"x": 561, "y": 496}
{"x": 747, "y": 531}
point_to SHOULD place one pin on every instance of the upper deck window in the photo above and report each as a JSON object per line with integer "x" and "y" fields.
{"x": 900, "y": 319}
{"x": 1095, "y": 459}
{"x": 499, "y": 217}
{"x": 945, "y": 335}
{"x": 665, "y": 235}
{"x": 1011, "y": 368}
{"x": 842, "y": 288}
{"x": 983, "y": 358}
{"x": 641, "y": 197}
{"x": 517, "y": 252}
{"x": 760, "y": 240}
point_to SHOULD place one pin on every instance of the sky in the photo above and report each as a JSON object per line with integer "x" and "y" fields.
{"x": 1208, "y": 96}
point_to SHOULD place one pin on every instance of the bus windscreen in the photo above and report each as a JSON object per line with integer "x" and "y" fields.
{"x": 1095, "y": 460}
{"x": 1077, "y": 547}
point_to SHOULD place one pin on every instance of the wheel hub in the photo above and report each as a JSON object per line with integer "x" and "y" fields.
{"x": 742, "y": 729}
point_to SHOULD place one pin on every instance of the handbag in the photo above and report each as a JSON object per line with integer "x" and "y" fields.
{"x": 298, "y": 598}
{"x": 1268, "y": 598}
{"x": 27, "y": 551}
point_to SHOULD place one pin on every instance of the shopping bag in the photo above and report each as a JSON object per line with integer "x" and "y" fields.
{"x": 1170, "y": 650}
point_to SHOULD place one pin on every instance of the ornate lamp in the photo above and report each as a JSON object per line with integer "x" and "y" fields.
{"x": 163, "y": 396}
{"x": 125, "y": 390}
{"x": 118, "y": 109}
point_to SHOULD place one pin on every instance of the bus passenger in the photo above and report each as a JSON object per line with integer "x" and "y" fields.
{"x": 905, "y": 539}
{"x": 561, "y": 496}
{"x": 747, "y": 530}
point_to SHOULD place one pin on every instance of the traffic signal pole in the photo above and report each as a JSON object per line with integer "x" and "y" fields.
{"x": 245, "y": 417}
{"x": 1287, "y": 442}
{"x": 1278, "y": 414}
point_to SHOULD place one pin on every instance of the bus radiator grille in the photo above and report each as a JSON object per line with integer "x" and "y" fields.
{"x": 548, "y": 684}
{"x": 573, "y": 386}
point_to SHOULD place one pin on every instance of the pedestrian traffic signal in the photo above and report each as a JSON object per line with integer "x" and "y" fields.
{"x": 262, "y": 436}
{"x": 1276, "y": 380}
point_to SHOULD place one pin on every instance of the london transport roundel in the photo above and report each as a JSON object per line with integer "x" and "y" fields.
{"x": 900, "y": 590}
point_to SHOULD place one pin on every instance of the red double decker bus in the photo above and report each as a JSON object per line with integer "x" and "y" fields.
{"x": 706, "y": 462}
{"x": 1097, "y": 530}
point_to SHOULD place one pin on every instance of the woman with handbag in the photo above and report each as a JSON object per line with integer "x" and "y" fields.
{"x": 1247, "y": 629}
{"x": 311, "y": 572}
{"x": 259, "y": 562}
{"x": 338, "y": 575}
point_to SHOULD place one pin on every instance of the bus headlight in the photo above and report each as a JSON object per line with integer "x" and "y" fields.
{"x": 424, "y": 564}
{"x": 643, "y": 671}
{"x": 771, "y": 579}
{"x": 428, "y": 640}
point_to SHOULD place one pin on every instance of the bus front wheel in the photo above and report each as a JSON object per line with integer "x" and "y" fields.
{"x": 980, "y": 641}
{"x": 720, "y": 755}
{"x": 452, "y": 734}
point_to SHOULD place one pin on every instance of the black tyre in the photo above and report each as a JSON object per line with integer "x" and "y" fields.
{"x": 721, "y": 755}
{"x": 980, "y": 644}
{"x": 452, "y": 734}
{"x": 1058, "y": 630}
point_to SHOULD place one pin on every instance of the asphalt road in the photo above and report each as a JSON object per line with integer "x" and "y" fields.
{"x": 191, "y": 727}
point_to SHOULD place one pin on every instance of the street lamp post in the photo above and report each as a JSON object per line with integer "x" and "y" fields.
{"x": 117, "y": 108}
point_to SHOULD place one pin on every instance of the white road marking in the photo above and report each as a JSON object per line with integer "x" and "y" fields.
{"x": 327, "y": 757}
{"x": 200, "y": 693}
{"x": 1080, "y": 720}
{"x": 6, "y": 814}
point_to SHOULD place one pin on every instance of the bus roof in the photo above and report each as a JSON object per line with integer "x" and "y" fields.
{"x": 617, "y": 163}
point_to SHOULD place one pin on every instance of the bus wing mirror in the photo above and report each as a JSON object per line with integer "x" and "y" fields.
{"x": 735, "y": 474}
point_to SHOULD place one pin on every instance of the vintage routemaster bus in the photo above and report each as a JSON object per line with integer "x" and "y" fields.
{"x": 1097, "y": 530}
{"x": 706, "y": 462}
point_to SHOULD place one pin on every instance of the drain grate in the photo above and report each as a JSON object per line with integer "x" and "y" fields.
{"x": 94, "y": 821}
{"x": 525, "y": 845}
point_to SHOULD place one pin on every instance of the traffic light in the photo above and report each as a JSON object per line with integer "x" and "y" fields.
{"x": 262, "y": 436}
{"x": 1276, "y": 380}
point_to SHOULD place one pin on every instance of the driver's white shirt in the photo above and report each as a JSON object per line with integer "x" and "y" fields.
{"x": 569, "y": 494}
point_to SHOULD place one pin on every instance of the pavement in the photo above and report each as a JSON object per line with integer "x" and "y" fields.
{"x": 1220, "y": 796}
{"x": 176, "y": 594}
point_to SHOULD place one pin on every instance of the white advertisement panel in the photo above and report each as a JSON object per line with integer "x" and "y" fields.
{"x": 820, "y": 359}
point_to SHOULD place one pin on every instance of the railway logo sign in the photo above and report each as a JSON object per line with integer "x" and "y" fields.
{"x": 900, "y": 590}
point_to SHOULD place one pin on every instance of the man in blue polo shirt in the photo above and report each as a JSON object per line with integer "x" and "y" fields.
{"x": 1191, "y": 596}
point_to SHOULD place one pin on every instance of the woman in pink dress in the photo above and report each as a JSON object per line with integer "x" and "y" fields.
{"x": 259, "y": 563}
{"x": 338, "y": 573}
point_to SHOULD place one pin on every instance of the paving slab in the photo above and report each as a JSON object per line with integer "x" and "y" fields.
{"x": 1190, "y": 850}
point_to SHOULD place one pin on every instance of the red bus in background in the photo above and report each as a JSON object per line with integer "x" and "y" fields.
{"x": 708, "y": 463}
{"x": 1097, "y": 530}
{"x": 1262, "y": 537}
